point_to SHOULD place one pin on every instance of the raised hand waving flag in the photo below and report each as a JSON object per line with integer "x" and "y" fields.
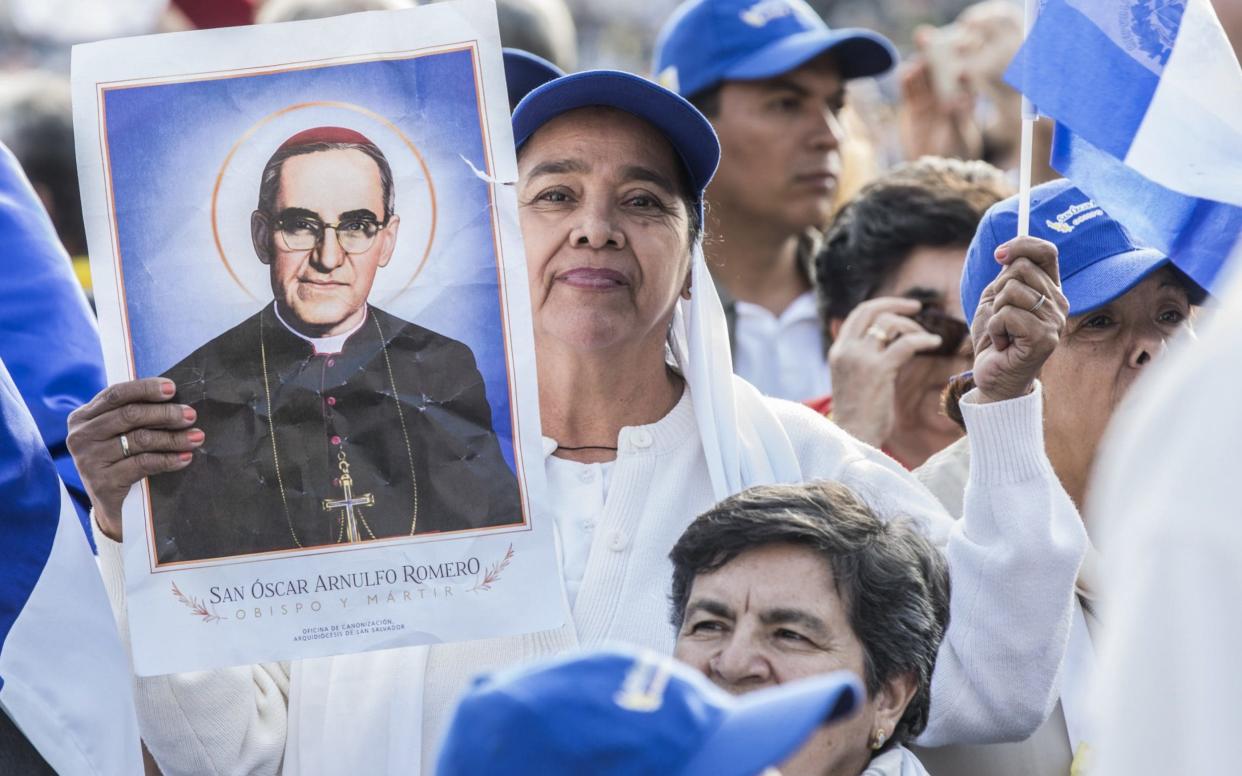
{"x": 1147, "y": 96}
{"x": 64, "y": 676}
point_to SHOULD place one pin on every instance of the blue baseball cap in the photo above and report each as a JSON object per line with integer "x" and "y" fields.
{"x": 1098, "y": 259}
{"x": 628, "y": 713}
{"x": 705, "y": 42}
{"x": 685, "y": 128}
{"x": 524, "y": 71}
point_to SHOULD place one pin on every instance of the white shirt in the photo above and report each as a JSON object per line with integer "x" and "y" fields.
{"x": 576, "y": 493}
{"x": 783, "y": 356}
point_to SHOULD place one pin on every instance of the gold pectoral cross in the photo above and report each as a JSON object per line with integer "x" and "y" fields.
{"x": 350, "y": 502}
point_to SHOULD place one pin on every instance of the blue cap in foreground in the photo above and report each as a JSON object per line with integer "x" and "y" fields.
{"x": 625, "y": 713}
{"x": 1099, "y": 260}
{"x": 525, "y": 71}
{"x": 709, "y": 41}
{"x": 687, "y": 130}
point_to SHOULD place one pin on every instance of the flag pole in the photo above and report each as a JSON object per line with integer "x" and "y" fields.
{"x": 1026, "y": 151}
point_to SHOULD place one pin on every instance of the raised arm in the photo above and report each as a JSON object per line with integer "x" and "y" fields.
{"x": 215, "y": 722}
{"x": 1014, "y": 557}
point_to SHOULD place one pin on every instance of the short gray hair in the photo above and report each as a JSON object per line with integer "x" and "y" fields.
{"x": 892, "y": 580}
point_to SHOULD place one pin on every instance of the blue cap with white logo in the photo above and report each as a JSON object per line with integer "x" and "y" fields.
{"x": 705, "y": 42}
{"x": 626, "y": 713}
{"x": 1098, "y": 259}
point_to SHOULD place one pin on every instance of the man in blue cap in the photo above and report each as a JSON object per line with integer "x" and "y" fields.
{"x": 770, "y": 75}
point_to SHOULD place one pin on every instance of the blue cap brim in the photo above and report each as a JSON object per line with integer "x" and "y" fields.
{"x": 525, "y": 72}
{"x": 858, "y": 53}
{"x": 768, "y": 726}
{"x": 1109, "y": 278}
{"x": 687, "y": 130}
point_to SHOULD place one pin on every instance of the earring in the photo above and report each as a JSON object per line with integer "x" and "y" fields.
{"x": 878, "y": 741}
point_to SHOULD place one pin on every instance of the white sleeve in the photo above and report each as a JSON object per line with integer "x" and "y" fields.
{"x": 1013, "y": 562}
{"x": 227, "y": 721}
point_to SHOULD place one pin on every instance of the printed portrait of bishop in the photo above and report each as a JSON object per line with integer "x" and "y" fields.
{"x": 327, "y": 419}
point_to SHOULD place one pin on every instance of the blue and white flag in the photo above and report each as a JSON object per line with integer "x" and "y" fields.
{"x": 65, "y": 678}
{"x": 50, "y": 342}
{"x": 1147, "y": 96}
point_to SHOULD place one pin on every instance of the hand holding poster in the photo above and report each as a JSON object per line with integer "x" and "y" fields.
{"x": 305, "y": 228}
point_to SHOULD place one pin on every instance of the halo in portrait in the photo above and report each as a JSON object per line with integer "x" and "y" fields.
{"x": 236, "y": 192}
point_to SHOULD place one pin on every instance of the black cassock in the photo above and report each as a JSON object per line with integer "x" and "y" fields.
{"x": 434, "y": 465}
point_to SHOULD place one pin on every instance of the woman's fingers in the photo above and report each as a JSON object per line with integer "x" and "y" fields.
{"x": 130, "y": 470}
{"x": 1041, "y": 253}
{"x": 910, "y": 345}
{"x": 132, "y": 417}
{"x": 860, "y": 319}
{"x": 149, "y": 389}
{"x": 149, "y": 440}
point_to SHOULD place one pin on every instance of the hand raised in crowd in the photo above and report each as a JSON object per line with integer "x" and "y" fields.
{"x": 876, "y": 340}
{"x": 1020, "y": 318}
{"x": 932, "y": 123}
{"x": 129, "y": 431}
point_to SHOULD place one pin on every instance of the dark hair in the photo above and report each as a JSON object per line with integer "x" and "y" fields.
{"x": 707, "y": 101}
{"x": 544, "y": 28}
{"x": 269, "y": 184}
{"x": 932, "y": 202}
{"x": 893, "y": 582}
{"x": 36, "y": 123}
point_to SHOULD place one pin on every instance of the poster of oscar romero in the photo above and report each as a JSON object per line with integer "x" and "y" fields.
{"x": 305, "y": 228}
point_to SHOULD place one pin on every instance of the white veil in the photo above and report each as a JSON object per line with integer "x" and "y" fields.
{"x": 744, "y": 442}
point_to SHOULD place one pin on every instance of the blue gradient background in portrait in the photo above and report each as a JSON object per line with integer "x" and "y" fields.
{"x": 167, "y": 144}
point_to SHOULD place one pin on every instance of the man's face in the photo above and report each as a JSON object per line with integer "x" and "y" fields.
{"x": 773, "y": 615}
{"x": 779, "y": 140}
{"x": 322, "y": 290}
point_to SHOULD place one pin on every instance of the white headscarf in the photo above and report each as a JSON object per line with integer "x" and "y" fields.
{"x": 744, "y": 443}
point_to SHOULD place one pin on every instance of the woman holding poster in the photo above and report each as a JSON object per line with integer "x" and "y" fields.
{"x": 612, "y": 170}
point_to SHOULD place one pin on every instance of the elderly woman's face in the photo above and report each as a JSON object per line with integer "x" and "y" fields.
{"x": 773, "y": 615}
{"x": 1103, "y": 351}
{"x": 605, "y": 228}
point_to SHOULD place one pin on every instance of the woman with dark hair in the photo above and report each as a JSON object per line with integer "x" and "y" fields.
{"x": 784, "y": 582}
{"x": 887, "y": 280}
{"x": 1126, "y": 302}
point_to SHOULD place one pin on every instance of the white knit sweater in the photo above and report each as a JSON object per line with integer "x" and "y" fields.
{"x": 994, "y": 679}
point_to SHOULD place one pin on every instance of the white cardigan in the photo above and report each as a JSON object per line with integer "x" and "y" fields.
{"x": 994, "y": 678}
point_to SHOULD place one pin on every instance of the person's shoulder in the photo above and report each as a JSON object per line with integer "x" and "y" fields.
{"x": 408, "y": 337}
{"x": 945, "y": 474}
{"x": 232, "y": 346}
{"x": 822, "y": 446}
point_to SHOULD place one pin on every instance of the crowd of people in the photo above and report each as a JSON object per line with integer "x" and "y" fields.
{"x": 826, "y": 445}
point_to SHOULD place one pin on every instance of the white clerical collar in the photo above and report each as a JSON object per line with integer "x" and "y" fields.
{"x": 322, "y": 345}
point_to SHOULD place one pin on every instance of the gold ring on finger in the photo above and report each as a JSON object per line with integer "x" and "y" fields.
{"x": 125, "y": 453}
{"x": 1042, "y": 298}
{"x": 879, "y": 333}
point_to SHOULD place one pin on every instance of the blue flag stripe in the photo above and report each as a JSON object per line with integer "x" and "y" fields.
{"x": 30, "y": 495}
{"x": 1197, "y": 234}
{"x": 1074, "y": 72}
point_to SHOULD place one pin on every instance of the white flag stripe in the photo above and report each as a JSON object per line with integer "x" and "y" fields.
{"x": 1190, "y": 141}
{"x": 67, "y": 688}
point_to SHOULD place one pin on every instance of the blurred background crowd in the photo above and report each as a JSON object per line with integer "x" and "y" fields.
{"x": 948, "y": 99}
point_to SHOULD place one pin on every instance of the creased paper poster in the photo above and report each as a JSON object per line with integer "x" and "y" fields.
{"x": 311, "y": 229}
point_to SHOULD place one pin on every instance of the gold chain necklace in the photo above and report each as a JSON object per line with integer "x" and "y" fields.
{"x": 343, "y": 463}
